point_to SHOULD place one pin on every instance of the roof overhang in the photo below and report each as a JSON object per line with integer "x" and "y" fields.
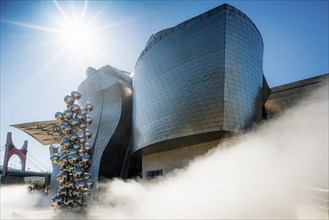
{"x": 46, "y": 132}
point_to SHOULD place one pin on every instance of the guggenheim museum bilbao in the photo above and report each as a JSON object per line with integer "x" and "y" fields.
{"x": 193, "y": 86}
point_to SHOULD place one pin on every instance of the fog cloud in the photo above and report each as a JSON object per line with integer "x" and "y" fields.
{"x": 263, "y": 174}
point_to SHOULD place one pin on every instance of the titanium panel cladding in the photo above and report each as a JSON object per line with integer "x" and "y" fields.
{"x": 198, "y": 77}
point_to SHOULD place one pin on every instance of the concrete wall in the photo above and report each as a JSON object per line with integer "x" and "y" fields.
{"x": 286, "y": 96}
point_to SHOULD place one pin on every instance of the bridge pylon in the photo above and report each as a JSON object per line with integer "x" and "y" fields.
{"x": 11, "y": 150}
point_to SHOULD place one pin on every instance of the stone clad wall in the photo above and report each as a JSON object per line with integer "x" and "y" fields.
{"x": 174, "y": 159}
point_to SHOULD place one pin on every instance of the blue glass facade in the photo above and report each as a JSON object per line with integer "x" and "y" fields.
{"x": 201, "y": 76}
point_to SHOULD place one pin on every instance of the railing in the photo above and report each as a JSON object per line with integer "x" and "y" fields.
{"x": 13, "y": 172}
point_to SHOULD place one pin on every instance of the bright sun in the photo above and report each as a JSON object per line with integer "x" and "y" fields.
{"x": 72, "y": 33}
{"x": 78, "y": 36}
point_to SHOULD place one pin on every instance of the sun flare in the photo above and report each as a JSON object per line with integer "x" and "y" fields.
{"x": 78, "y": 36}
{"x": 72, "y": 31}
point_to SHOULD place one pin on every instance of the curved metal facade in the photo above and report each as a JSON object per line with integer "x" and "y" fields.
{"x": 109, "y": 90}
{"x": 201, "y": 77}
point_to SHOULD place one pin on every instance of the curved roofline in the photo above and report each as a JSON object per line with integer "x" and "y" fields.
{"x": 155, "y": 38}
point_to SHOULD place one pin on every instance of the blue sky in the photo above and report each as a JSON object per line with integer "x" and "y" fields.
{"x": 39, "y": 66}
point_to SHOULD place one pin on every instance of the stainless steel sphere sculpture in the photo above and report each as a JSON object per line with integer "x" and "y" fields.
{"x": 75, "y": 156}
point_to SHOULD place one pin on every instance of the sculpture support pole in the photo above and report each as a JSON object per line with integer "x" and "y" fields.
{"x": 74, "y": 158}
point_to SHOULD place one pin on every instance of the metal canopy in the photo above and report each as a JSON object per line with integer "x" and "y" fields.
{"x": 46, "y": 132}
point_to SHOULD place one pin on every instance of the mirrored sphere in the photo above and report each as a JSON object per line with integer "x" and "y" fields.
{"x": 79, "y": 201}
{"x": 74, "y": 122}
{"x": 82, "y": 126}
{"x": 75, "y": 108}
{"x": 88, "y": 134}
{"x": 89, "y": 107}
{"x": 62, "y": 192}
{"x": 83, "y": 111}
{"x": 86, "y": 176}
{"x": 75, "y": 193}
{"x": 76, "y": 146}
{"x": 65, "y": 144}
{"x": 76, "y": 95}
{"x": 66, "y": 129}
{"x": 85, "y": 160}
{"x": 86, "y": 193}
{"x": 80, "y": 185}
{"x": 59, "y": 116}
{"x": 63, "y": 153}
{"x": 81, "y": 140}
{"x": 67, "y": 114}
{"x": 69, "y": 168}
{"x": 77, "y": 172}
{"x": 69, "y": 185}
{"x": 61, "y": 177}
{"x": 72, "y": 137}
{"x": 87, "y": 147}
{"x": 64, "y": 123}
{"x": 62, "y": 161}
{"x": 56, "y": 201}
{"x": 89, "y": 184}
{"x": 69, "y": 201}
{"x": 89, "y": 119}
{"x": 72, "y": 159}
{"x": 72, "y": 151}
{"x": 54, "y": 158}
{"x": 68, "y": 100}
{"x": 80, "y": 117}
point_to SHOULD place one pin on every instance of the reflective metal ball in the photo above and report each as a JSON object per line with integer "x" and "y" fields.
{"x": 76, "y": 146}
{"x": 63, "y": 152}
{"x": 89, "y": 119}
{"x": 69, "y": 168}
{"x": 88, "y": 134}
{"x": 59, "y": 116}
{"x": 67, "y": 114}
{"x": 75, "y": 108}
{"x": 69, "y": 201}
{"x": 72, "y": 151}
{"x": 80, "y": 185}
{"x": 76, "y": 193}
{"x": 68, "y": 100}
{"x": 56, "y": 201}
{"x": 66, "y": 129}
{"x": 64, "y": 123}
{"x": 73, "y": 159}
{"x": 72, "y": 137}
{"x": 86, "y": 193}
{"x": 74, "y": 122}
{"x": 62, "y": 192}
{"x": 83, "y": 111}
{"x": 89, "y": 184}
{"x": 81, "y": 140}
{"x": 89, "y": 107}
{"x": 62, "y": 161}
{"x": 61, "y": 177}
{"x": 80, "y": 117}
{"x": 86, "y": 176}
{"x": 54, "y": 158}
{"x": 77, "y": 172}
{"x": 87, "y": 148}
{"x": 65, "y": 144}
{"x": 85, "y": 160}
{"x": 76, "y": 95}
{"x": 82, "y": 126}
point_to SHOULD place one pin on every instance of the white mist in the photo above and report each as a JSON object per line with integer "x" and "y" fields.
{"x": 261, "y": 175}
